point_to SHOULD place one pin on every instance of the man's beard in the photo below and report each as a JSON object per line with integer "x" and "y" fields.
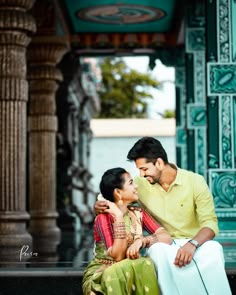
{"x": 154, "y": 180}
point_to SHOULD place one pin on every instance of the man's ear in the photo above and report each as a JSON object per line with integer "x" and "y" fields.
{"x": 160, "y": 163}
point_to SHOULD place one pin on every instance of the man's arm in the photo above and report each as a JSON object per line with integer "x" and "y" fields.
{"x": 100, "y": 206}
{"x": 206, "y": 215}
{"x": 185, "y": 254}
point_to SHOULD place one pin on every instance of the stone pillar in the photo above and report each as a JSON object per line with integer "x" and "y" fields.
{"x": 43, "y": 55}
{"x": 14, "y": 25}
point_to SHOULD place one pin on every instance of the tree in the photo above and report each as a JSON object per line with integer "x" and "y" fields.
{"x": 169, "y": 114}
{"x": 123, "y": 90}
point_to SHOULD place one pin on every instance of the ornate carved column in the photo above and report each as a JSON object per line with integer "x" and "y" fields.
{"x": 195, "y": 88}
{"x": 221, "y": 108}
{"x": 180, "y": 92}
{"x": 14, "y": 25}
{"x": 43, "y": 55}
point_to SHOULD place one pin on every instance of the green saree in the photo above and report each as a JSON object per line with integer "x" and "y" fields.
{"x": 130, "y": 276}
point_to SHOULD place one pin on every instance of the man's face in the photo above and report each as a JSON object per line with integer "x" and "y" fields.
{"x": 148, "y": 170}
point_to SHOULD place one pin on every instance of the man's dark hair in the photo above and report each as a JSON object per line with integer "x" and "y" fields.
{"x": 112, "y": 179}
{"x": 149, "y": 148}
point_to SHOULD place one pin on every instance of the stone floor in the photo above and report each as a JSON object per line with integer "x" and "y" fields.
{"x": 63, "y": 276}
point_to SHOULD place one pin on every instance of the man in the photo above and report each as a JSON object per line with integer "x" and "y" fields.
{"x": 181, "y": 201}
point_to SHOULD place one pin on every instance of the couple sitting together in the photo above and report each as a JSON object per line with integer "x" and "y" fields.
{"x": 175, "y": 222}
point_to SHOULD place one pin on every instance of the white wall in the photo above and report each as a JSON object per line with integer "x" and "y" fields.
{"x": 112, "y": 152}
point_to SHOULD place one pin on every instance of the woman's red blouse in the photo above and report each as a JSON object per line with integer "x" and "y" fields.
{"x": 103, "y": 227}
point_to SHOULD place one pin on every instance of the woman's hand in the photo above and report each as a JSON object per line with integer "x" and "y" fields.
{"x": 133, "y": 250}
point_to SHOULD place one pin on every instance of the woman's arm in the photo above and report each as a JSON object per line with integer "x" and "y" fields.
{"x": 118, "y": 245}
{"x": 158, "y": 233}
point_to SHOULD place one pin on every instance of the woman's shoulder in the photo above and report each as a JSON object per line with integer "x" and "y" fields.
{"x": 104, "y": 217}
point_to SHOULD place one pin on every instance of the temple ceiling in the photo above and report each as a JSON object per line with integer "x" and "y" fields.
{"x": 122, "y": 26}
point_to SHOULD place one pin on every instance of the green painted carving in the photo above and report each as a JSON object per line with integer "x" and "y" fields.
{"x": 196, "y": 116}
{"x": 180, "y": 97}
{"x": 213, "y": 135}
{"x": 181, "y": 157}
{"x": 223, "y": 23}
{"x": 181, "y": 136}
{"x": 226, "y": 132}
{"x": 199, "y": 77}
{"x": 191, "y": 144}
{"x": 190, "y": 77}
{"x": 201, "y": 151}
{"x": 234, "y": 128}
{"x": 211, "y": 31}
{"x": 233, "y": 29}
{"x": 195, "y": 13}
{"x": 180, "y": 76}
{"x": 195, "y": 40}
{"x": 213, "y": 161}
{"x": 224, "y": 188}
{"x": 181, "y": 142}
{"x": 222, "y": 78}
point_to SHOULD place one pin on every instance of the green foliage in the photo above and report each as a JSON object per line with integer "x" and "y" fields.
{"x": 124, "y": 90}
{"x": 169, "y": 114}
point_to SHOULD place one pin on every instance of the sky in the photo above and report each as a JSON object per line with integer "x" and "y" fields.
{"x": 163, "y": 99}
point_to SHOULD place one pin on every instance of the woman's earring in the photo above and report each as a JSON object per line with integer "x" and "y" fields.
{"x": 120, "y": 202}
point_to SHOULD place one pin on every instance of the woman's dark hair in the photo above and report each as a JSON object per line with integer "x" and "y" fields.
{"x": 112, "y": 179}
{"x": 149, "y": 148}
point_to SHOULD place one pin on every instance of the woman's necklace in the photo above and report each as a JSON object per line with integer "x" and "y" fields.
{"x": 135, "y": 226}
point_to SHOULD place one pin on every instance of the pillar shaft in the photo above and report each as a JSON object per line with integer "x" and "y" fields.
{"x": 43, "y": 55}
{"x": 14, "y": 25}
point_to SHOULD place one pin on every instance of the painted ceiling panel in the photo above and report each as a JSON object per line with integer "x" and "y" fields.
{"x": 106, "y": 16}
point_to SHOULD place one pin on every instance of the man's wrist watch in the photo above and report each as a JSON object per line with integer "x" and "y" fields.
{"x": 195, "y": 243}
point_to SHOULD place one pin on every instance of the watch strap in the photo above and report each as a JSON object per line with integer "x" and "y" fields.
{"x": 195, "y": 243}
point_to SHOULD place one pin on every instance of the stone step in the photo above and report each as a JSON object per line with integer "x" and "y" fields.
{"x": 64, "y": 276}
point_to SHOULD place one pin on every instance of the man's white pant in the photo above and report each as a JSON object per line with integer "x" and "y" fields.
{"x": 204, "y": 275}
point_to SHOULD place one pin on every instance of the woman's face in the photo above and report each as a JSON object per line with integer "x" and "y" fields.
{"x": 129, "y": 190}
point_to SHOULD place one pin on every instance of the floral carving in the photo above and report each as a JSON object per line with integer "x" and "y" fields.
{"x": 226, "y": 132}
{"x": 224, "y": 189}
{"x": 223, "y": 22}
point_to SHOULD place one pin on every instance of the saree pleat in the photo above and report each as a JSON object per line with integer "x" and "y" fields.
{"x": 128, "y": 276}
{"x": 103, "y": 275}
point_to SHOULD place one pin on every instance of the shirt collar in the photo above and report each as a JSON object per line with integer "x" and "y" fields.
{"x": 178, "y": 178}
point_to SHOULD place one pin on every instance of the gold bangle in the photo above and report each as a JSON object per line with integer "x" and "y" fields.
{"x": 143, "y": 240}
{"x": 151, "y": 240}
{"x": 120, "y": 235}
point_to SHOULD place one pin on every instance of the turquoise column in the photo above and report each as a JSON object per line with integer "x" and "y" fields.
{"x": 195, "y": 89}
{"x": 180, "y": 94}
{"x": 221, "y": 111}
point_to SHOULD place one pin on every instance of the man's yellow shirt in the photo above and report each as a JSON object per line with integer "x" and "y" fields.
{"x": 184, "y": 209}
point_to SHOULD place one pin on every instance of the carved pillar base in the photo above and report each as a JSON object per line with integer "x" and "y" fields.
{"x": 46, "y": 240}
{"x": 12, "y": 238}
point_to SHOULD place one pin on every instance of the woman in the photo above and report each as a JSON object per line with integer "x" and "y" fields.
{"x": 117, "y": 266}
